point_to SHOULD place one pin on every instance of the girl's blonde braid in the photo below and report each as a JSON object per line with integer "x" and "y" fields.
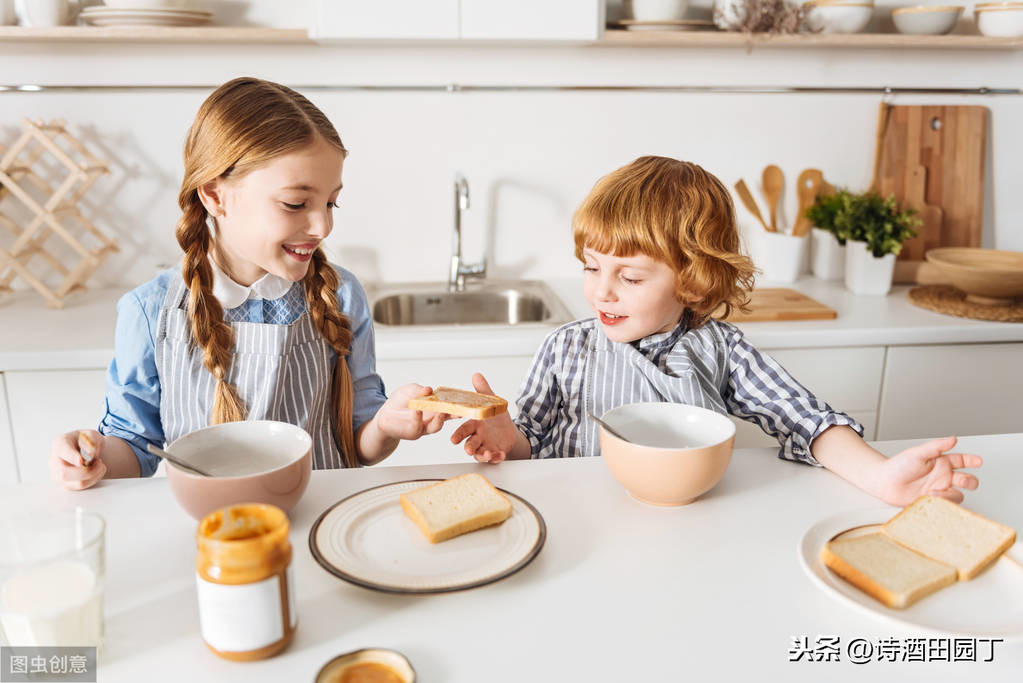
{"x": 321, "y": 283}
{"x": 209, "y": 329}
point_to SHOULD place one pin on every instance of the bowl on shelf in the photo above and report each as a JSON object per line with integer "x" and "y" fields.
{"x": 987, "y": 276}
{"x": 999, "y": 19}
{"x": 838, "y": 16}
{"x": 926, "y": 20}
{"x": 671, "y": 453}
{"x": 259, "y": 461}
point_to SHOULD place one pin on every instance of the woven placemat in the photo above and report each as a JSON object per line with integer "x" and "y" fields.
{"x": 951, "y": 301}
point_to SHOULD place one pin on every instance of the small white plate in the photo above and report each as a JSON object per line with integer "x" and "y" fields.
{"x": 367, "y": 539}
{"x": 987, "y": 606}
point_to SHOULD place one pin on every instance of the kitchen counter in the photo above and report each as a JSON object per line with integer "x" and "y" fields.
{"x": 81, "y": 335}
{"x": 621, "y": 591}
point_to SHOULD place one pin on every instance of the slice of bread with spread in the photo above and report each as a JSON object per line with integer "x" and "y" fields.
{"x": 949, "y": 533}
{"x": 882, "y": 568}
{"x": 461, "y": 403}
{"x": 456, "y": 506}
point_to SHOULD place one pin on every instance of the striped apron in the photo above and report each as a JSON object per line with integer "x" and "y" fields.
{"x": 618, "y": 374}
{"x": 281, "y": 372}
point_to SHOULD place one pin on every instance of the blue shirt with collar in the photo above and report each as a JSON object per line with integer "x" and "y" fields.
{"x": 133, "y": 385}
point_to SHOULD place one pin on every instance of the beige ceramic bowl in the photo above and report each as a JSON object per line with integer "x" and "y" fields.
{"x": 251, "y": 462}
{"x": 988, "y": 276}
{"x": 675, "y": 452}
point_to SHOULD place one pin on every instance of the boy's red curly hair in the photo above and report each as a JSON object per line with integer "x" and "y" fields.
{"x": 678, "y": 213}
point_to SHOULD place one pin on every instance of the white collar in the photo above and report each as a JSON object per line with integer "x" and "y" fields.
{"x": 232, "y": 295}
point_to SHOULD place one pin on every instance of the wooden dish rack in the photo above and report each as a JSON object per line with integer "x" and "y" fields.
{"x": 32, "y": 253}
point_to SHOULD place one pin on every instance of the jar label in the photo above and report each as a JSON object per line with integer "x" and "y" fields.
{"x": 243, "y": 617}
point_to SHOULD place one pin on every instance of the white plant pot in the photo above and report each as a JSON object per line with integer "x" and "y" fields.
{"x": 865, "y": 273}
{"x": 779, "y": 257}
{"x": 827, "y": 256}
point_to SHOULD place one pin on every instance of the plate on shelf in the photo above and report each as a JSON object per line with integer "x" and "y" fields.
{"x": 667, "y": 25}
{"x": 111, "y": 16}
{"x": 368, "y": 540}
{"x": 987, "y": 606}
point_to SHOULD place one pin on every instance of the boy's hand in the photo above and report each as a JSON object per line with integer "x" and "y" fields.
{"x": 487, "y": 440}
{"x": 74, "y": 459}
{"x": 928, "y": 469}
{"x": 397, "y": 421}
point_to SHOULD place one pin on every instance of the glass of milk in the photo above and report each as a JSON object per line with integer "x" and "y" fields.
{"x": 51, "y": 579}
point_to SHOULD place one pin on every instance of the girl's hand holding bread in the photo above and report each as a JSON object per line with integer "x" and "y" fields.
{"x": 494, "y": 439}
{"x": 397, "y": 421}
{"x": 75, "y": 461}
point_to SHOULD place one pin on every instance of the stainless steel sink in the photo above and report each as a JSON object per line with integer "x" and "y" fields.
{"x": 490, "y": 302}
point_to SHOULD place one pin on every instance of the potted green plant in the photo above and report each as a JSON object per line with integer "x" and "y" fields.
{"x": 827, "y": 244}
{"x": 874, "y": 229}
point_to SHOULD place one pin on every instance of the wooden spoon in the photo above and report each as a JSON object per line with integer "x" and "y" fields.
{"x": 807, "y": 187}
{"x": 747, "y": 200}
{"x": 774, "y": 182}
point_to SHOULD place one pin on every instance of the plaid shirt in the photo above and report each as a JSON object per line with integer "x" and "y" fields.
{"x": 578, "y": 369}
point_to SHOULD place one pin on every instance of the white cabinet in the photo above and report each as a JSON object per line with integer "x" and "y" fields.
{"x": 532, "y": 20}
{"x": 46, "y": 403}
{"x": 505, "y": 375}
{"x": 933, "y": 391}
{"x": 569, "y": 20}
{"x": 8, "y": 463}
{"x": 848, "y": 379}
{"x": 397, "y": 19}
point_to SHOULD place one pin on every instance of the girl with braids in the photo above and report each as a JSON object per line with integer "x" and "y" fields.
{"x": 256, "y": 324}
{"x": 660, "y": 254}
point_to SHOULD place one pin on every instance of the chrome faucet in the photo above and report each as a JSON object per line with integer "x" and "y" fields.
{"x": 459, "y": 270}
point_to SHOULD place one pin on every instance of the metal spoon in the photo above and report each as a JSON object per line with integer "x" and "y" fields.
{"x": 177, "y": 461}
{"x": 606, "y": 426}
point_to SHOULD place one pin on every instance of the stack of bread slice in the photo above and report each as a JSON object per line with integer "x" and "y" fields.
{"x": 925, "y": 547}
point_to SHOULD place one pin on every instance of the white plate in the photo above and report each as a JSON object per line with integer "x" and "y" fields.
{"x": 109, "y": 16}
{"x": 367, "y": 539}
{"x": 987, "y": 606}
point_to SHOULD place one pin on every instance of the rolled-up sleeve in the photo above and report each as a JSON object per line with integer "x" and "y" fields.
{"x": 132, "y": 382}
{"x": 760, "y": 390}
{"x": 367, "y": 385}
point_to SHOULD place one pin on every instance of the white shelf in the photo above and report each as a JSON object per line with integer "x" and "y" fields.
{"x": 887, "y": 41}
{"x": 154, "y": 34}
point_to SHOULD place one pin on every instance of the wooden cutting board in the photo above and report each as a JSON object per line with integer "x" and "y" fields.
{"x": 782, "y": 304}
{"x": 931, "y": 158}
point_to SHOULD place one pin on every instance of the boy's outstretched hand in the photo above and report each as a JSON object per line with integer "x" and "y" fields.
{"x": 494, "y": 439}
{"x": 928, "y": 469}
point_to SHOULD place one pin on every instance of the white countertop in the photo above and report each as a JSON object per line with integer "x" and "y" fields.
{"x": 621, "y": 591}
{"x": 34, "y": 337}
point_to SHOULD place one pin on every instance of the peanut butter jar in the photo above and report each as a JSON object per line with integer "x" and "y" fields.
{"x": 245, "y": 583}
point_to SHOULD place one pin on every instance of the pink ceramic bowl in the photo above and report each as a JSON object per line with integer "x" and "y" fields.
{"x": 251, "y": 462}
{"x": 674, "y": 453}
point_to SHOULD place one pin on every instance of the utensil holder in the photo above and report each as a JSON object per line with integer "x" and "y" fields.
{"x": 779, "y": 257}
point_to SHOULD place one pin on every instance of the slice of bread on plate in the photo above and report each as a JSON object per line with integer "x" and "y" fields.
{"x": 949, "y": 533}
{"x": 456, "y": 506}
{"x": 460, "y": 403}
{"x": 885, "y": 570}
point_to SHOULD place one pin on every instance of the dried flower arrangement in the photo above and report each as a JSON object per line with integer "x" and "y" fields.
{"x": 759, "y": 16}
